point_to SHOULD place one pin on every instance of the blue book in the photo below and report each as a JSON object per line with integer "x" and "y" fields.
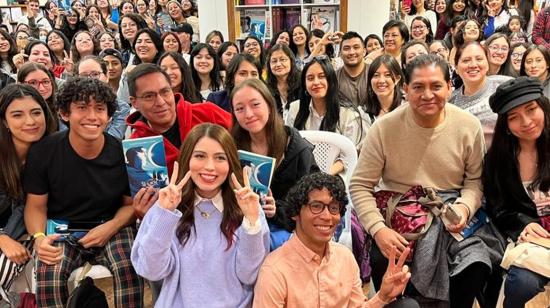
{"x": 260, "y": 171}
{"x": 146, "y": 163}
{"x": 479, "y": 219}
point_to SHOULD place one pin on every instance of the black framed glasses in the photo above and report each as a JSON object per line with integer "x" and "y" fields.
{"x": 317, "y": 207}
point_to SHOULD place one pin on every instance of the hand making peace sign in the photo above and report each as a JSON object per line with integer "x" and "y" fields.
{"x": 170, "y": 196}
{"x": 248, "y": 200}
{"x": 396, "y": 277}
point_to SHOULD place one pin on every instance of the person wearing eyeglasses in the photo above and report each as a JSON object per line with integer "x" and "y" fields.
{"x": 160, "y": 111}
{"x": 516, "y": 55}
{"x": 283, "y": 77}
{"x": 39, "y": 77}
{"x": 497, "y": 48}
{"x": 94, "y": 67}
{"x": 311, "y": 263}
{"x": 79, "y": 175}
{"x": 421, "y": 30}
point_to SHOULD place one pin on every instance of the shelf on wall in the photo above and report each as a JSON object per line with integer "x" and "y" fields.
{"x": 235, "y": 11}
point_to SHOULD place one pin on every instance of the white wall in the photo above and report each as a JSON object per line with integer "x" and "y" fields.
{"x": 364, "y": 16}
{"x": 212, "y": 16}
{"x": 368, "y": 16}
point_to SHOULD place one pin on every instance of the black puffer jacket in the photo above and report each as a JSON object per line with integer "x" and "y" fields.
{"x": 297, "y": 162}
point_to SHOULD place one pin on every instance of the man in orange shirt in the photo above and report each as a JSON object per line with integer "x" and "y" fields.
{"x": 311, "y": 271}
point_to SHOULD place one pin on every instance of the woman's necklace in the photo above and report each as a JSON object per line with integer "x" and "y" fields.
{"x": 204, "y": 214}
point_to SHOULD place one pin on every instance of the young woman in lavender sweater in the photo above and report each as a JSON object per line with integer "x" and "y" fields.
{"x": 206, "y": 236}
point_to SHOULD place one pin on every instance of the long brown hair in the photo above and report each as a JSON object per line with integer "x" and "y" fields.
{"x": 274, "y": 129}
{"x": 232, "y": 215}
{"x": 10, "y": 173}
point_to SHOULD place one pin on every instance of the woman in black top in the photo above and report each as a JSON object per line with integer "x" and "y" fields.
{"x": 516, "y": 177}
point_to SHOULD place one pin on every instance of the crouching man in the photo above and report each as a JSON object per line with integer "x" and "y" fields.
{"x": 312, "y": 271}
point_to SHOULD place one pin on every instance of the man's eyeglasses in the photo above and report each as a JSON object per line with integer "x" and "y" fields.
{"x": 151, "y": 97}
{"x": 317, "y": 207}
{"x": 92, "y": 75}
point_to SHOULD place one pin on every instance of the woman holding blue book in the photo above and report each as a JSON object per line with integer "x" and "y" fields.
{"x": 259, "y": 128}
{"x": 204, "y": 220}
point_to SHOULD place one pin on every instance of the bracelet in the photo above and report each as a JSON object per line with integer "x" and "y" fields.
{"x": 38, "y": 234}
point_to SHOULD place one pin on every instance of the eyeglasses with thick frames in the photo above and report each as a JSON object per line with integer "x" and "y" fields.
{"x": 317, "y": 207}
{"x": 36, "y": 83}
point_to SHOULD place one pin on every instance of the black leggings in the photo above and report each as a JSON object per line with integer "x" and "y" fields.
{"x": 464, "y": 287}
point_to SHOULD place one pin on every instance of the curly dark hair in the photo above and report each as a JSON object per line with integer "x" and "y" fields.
{"x": 298, "y": 196}
{"x": 81, "y": 89}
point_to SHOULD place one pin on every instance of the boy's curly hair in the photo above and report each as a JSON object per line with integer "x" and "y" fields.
{"x": 298, "y": 195}
{"x": 81, "y": 89}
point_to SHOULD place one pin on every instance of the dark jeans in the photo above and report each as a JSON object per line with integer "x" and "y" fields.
{"x": 521, "y": 286}
{"x": 464, "y": 287}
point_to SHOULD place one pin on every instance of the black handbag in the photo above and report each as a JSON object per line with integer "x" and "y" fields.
{"x": 87, "y": 294}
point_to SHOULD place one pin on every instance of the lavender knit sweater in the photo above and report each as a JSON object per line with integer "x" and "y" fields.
{"x": 202, "y": 273}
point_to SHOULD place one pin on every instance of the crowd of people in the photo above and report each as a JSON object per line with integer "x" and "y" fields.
{"x": 449, "y": 113}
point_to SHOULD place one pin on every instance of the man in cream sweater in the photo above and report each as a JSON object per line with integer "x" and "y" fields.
{"x": 434, "y": 144}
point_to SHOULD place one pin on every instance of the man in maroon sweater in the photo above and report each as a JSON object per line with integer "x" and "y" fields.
{"x": 159, "y": 111}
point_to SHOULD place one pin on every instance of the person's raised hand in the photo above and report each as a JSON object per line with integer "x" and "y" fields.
{"x": 170, "y": 196}
{"x": 67, "y": 61}
{"x": 247, "y": 199}
{"x": 386, "y": 238}
{"x": 45, "y": 250}
{"x": 269, "y": 207}
{"x": 396, "y": 277}
{"x": 19, "y": 59}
